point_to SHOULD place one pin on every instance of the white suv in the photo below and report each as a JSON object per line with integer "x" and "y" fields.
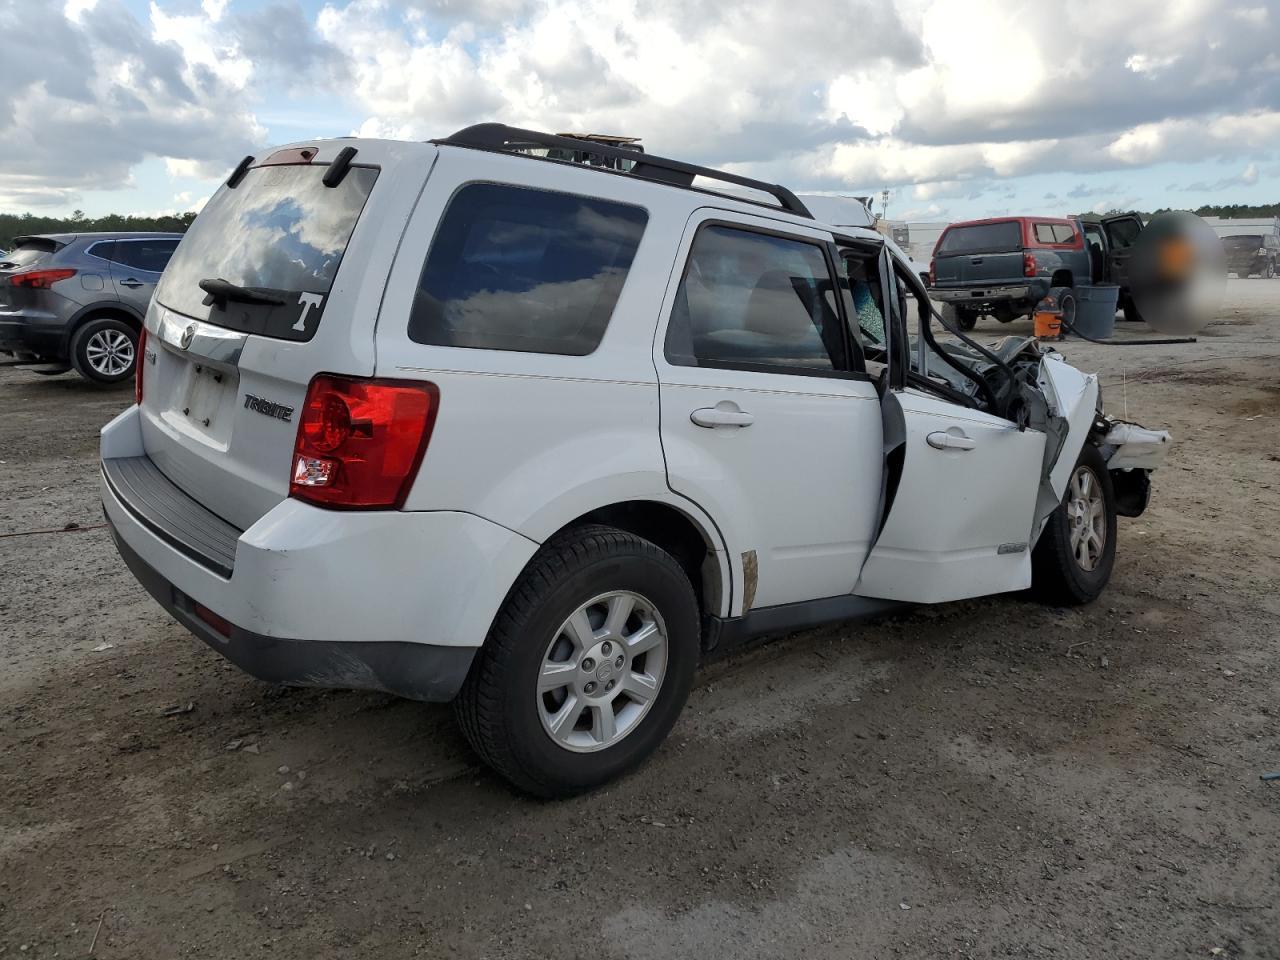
{"x": 463, "y": 420}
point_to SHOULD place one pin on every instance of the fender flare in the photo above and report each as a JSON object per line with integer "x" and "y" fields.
{"x": 79, "y": 318}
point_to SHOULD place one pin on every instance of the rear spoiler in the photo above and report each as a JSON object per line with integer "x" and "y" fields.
{"x": 36, "y": 241}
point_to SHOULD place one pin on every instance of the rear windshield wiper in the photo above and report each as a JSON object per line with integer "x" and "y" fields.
{"x": 220, "y": 291}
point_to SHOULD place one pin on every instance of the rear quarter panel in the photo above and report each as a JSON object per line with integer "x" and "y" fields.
{"x": 533, "y": 441}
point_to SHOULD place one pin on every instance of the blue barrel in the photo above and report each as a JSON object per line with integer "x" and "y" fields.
{"x": 1096, "y": 310}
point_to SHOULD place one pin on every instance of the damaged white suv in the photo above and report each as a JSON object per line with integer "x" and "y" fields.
{"x": 537, "y": 423}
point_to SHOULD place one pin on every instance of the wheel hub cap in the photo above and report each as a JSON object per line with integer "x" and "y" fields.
{"x": 601, "y": 672}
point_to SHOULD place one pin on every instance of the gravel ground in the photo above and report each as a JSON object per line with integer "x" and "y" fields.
{"x": 984, "y": 779}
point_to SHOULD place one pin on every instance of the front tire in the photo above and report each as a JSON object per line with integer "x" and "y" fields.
{"x": 1072, "y": 562}
{"x": 587, "y": 665}
{"x": 105, "y": 351}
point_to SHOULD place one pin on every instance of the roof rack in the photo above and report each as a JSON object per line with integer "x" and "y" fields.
{"x": 500, "y": 138}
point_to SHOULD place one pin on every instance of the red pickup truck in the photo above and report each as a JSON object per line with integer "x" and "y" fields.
{"x": 1005, "y": 266}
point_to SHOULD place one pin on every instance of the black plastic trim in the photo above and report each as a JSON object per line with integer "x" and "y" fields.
{"x": 339, "y": 167}
{"x": 417, "y": 671}
{"x": 177, "y": 519}
{"x": 499, "y": 138}
{"x": 238, "y": 173}
{"x": 724, "y": 634}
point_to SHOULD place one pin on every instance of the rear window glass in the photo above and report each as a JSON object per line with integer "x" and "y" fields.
{"x": 1003, "y": 237}
{"x": 26, "y": 255}
{"x": 512, "y": 268}
{"x": 1249, "y": 243}
{"x": 282, "y": 232}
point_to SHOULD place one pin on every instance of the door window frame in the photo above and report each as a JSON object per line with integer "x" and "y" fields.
{"x": 853, "y": 353}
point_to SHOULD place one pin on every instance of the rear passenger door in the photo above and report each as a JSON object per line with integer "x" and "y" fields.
{"x": 136, "y": 266}
{"x": 769, "y": 421}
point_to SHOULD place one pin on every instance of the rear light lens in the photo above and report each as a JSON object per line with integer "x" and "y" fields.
{"x": 360, "y": 441}
{"x": 1028, "y": 264}
{"x": 139, "y": 359}
{"x": 933, "y": 271}
{"x": 40, "y": 279}
{"x": 221, "y": 624}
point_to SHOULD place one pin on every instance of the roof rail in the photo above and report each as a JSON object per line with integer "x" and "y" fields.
{"x": 500, "y": 138}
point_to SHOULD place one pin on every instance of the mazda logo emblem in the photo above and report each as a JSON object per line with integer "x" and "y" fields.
{"x": 188, "y": 335}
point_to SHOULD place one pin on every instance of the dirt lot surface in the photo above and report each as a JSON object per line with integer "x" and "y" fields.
{"x": 984, "y": 779}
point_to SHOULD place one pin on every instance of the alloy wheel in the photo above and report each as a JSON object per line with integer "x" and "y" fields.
{"x": 601, "y": 671}
{"x": 109, "y": 352}
{"x": 1087, "y": 515}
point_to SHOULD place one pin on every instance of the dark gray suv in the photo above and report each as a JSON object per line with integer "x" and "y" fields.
{"x": 76, "y": 300}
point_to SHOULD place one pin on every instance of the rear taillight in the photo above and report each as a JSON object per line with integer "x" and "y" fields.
{"x": 40, "y": 279}
{"x": 138, "y": 363}
{"x": 1028, "y": 264}
{"x": 360, "y": 441}
{"x": 933, "y": 271}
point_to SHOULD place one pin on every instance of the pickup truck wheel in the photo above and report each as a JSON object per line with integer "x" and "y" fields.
{"x": 1271, "y": 270}
{"x": 1072, "y": 562}
{"x": 104, "y": 351}
{"x": 961, "y": 319}
{"x": 587, "y": 666}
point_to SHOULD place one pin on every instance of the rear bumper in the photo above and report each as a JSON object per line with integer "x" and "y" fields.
{"x": 979, "y": 295}
{"x": 370, "y": 600}
{"x": 23, "y": 332}
{"x": 418, "y": 671}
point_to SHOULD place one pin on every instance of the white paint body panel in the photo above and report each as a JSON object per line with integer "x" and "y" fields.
{"x": 310, "y": 574}
{"x": 1073, "y": 396}
{"x": 799, "y": 486}
{"x": 957, "y": 508}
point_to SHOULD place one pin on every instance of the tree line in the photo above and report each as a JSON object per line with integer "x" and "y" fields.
{"x": 21, "y": 225}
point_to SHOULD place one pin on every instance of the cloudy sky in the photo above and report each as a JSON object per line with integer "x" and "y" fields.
{"x": 960, "y": 107}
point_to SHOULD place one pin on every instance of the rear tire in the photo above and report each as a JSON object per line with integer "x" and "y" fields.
{"x": 958, "y": 318}
{"x": 556, "y": 637}
{"x": 1072, "y": 562}
{"x": 105, "y": 351}
{"x": 1271, "y": 270}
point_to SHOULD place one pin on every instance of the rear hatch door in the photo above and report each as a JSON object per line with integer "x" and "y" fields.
{"x": 979, "y": 254}
{"x": 28, "y": 253}
{"x": 293, "y": 272}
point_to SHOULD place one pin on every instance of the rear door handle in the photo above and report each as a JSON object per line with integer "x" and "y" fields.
{"x": 725, "y": 414}
{"x": 132, "y": 283}
{"x": 941, "y": 440}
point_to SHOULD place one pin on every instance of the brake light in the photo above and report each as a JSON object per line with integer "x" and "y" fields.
{"x": 1028, "y": 264}
{"x": 40, "y": 279}
{"x": 933, "y": 271}
{"x": 138, "y": 364}
{"x": 360, "y": 441}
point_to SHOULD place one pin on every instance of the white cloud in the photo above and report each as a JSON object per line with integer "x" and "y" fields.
{"x": 846, "y": 96}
